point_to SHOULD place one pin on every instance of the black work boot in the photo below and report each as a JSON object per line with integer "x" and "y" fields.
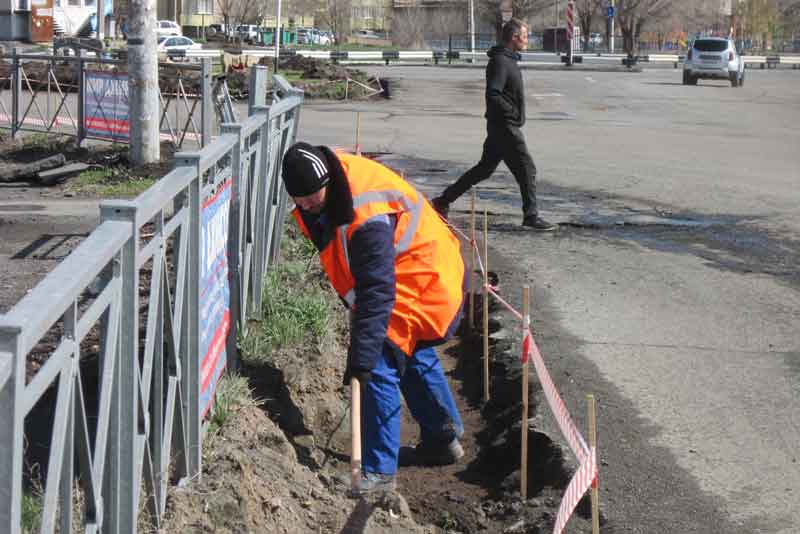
{"x": 432, "y": 454}
{"x": 374, "y": 483}
{"x": 441, "y": 205}
{"x": 538, "y": 224}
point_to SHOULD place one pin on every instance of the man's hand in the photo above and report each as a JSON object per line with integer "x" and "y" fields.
{"x": 359, "y": 374}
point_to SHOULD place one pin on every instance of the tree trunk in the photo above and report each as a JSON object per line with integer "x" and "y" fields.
{"x": 22, "y": 171}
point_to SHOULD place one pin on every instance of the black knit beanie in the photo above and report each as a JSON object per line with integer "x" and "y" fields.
{"x": 305, "y": 170}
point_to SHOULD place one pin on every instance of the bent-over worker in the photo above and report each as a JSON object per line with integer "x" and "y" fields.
{"x": 398, "y": 269}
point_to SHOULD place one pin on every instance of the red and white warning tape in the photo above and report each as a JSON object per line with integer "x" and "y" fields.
{"x": 587, "y": 472}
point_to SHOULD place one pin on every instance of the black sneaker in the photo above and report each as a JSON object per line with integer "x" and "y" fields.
{"x": 442, "y": 206}
{"x": 428, "y": 454}
{"x": 374, "y": 483}
{"x": 539, "y": 224}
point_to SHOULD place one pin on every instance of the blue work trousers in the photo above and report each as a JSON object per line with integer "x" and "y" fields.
{"x": 427, "y": 396}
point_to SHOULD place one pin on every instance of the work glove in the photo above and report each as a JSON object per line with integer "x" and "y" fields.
{"x": 362, "y": 375}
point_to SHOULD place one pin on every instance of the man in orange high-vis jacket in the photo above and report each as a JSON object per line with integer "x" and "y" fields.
{"x": 398, "y": 269}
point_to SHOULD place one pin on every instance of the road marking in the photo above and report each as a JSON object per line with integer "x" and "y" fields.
{"x": 590, "y": 79}
{"x": 547, "y": 95}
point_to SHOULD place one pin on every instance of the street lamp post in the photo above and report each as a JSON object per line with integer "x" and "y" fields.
{"x": 277, "y": 36}
{"x": 472, "y": 25}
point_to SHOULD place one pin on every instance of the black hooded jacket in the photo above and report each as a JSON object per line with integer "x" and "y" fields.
{"x": 505, "y": 96}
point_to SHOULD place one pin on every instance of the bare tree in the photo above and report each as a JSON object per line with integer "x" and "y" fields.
{"x": 491, "y": 11}
{"x": 235, "y": 12}
{"x": 408, "y": 27}
{"x": 335, "y": 14}
{"x": 633, "y": 15}
{"x": 757, "y": 19}
{"x": 587, "y": 11}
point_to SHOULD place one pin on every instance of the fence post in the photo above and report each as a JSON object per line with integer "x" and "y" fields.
{"x": 285, "y": 142}
{"x": 16, "y": 91}
{"x": 258, "y": 87}
{"x": 264, "y": 175}
{"x": 190, "y": 328}
{"x": 235, "y": 244}
{"x": 450, "y": 49}
{"x": 206, "y": 107}
{"x": 126, "y": 431}
{"x": 12, "y": 428}
{"x": 81, "y": 97}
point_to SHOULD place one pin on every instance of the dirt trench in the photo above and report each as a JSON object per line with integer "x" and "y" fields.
{"x": 283, "y": 467}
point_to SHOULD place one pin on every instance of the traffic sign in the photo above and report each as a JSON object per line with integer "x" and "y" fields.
{"x": 611, "y": 12}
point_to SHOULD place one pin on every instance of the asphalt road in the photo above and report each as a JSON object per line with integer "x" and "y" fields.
{"x": 671, "y": 289}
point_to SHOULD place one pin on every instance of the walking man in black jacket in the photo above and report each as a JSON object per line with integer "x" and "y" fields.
{"x": 505, "y": 116}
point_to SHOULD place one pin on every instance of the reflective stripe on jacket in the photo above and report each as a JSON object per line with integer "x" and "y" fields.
{"x": 429, "y": 270}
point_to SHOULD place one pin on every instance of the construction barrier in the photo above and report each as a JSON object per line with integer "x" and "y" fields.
{"x": 587, "y": 474}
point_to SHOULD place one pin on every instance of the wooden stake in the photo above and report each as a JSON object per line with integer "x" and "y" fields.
{"x": 591, "y": 407}
{"x": 355, "y": 434}
{"x": 472, "y": 265}
{"x": 358, "y": 133}
{"x": 486, "y": 306}
{"x": 526, "y": 324}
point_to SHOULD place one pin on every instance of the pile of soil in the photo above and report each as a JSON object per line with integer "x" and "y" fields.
{"x": 283, "y": 467}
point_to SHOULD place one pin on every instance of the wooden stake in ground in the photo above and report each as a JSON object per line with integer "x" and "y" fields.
{"x": 526, "y": 325}
{"x": 358, "y": 133}
{"x": 486, "y": 306}
{"x": 355, "y": 434}
{"x": 472, "y": 264}
{"x": 592, "y": 413}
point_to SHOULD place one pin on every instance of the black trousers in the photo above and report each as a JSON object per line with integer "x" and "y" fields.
{"x": 507, "y": 144}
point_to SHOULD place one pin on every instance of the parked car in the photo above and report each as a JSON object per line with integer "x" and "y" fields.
{"x": 366, "y": 34}
{"x": 320, "y": 37}
{"x": 217, "y": 31}
{"x": 327, "y": 38}
{"x": 305, "y": 36}
{"x": 167, "y": 43}
{"x": 168, "y": 27}
{"x": 248, "y": 32}
{"x": 713, "y": 58}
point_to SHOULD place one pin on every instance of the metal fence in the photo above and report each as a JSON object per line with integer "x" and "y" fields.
{"x": 112, "y": 335}
{"x": 51, "y": 94}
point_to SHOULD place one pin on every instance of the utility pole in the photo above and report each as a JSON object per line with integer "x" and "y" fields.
{"x": 472, "y": 25}
{"x": 611, "y": 37}
{"x": 277, "y": 36}
{"x": 143, "y": 99}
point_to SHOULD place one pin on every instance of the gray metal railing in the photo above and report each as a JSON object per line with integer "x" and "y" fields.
{"x": 126, "y": 305}
{"x": 35, "y": 96}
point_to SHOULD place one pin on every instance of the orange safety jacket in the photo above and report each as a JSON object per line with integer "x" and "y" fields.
{"x": 429, "y": 270}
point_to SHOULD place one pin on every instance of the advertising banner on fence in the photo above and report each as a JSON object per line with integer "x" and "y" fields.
{"x": 106, "y": 105}
{"x": 215, "y": 319}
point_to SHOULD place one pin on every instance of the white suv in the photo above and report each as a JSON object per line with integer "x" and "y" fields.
{"x": 168, "y": 27}
{"x": 715, "y": 58}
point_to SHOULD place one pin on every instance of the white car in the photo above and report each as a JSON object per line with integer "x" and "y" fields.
{"x": 322, "y": 38}
{"x": 174, "y": 44}
{"x": 248, "y": 32}
{"x": 168, "y": 27}
{"x": 713, "y": 58}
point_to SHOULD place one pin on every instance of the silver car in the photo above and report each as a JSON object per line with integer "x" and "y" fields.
{"x": 713, "y": 58}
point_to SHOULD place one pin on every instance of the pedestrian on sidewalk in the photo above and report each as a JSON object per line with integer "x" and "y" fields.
{"x": 505, "y": 117}
{"x": 398, "y": 269}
